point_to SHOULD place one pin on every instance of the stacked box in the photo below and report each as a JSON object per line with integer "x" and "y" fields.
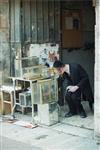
{"x": 48, "y": 113}
{"x": 45, "y": 91}
{"x": 27, "y": 66}
{"x": 25, "y": 99}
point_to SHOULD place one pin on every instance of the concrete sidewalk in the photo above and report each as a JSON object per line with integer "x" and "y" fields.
{"x": 9, "y": 144}
{"x": 66, "y": 135}
{"x": 73, "y": 133}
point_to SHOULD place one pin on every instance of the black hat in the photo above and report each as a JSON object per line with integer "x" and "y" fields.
{"x": 58, "y": 64}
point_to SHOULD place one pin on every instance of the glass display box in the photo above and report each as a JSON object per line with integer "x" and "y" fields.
{"x": 25, "y": 99}
{"x": 45, "y": 91}
{"x": 26, "y": 65}
{"x": 32, "y": 72}
{"x": 48, "y": 113}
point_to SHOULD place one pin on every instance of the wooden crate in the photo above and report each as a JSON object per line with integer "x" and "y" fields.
{"x": 6, "y": 108}
{"x": 6, "y": 99}
{"x": 0, "y": 107}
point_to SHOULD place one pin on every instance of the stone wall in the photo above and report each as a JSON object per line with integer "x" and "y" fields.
{"x": 4, "y": 41}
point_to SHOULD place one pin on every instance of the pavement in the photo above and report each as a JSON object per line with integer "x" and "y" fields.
{"x": 10, "y": 144}
{"x": 73, "y": 133}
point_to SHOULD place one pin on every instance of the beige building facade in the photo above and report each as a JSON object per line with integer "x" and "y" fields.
{"x": 97, "y": 71}
{"x": 21, "y": 24}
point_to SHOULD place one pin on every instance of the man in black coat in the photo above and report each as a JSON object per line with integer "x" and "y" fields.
{"x": 77, "y": 85}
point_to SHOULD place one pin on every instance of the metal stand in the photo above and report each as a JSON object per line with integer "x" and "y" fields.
{"x": 14, "y": 79}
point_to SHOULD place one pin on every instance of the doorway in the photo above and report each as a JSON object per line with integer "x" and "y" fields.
{"x": 77, "y": 42}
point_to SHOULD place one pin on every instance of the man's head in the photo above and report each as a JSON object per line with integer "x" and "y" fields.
{"x": 59, "y": 66}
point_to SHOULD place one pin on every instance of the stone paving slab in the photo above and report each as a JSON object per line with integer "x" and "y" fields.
{"x": 87, "y": 122}
{"x": 75, "y": 131}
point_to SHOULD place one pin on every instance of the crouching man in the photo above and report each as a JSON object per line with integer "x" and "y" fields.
{"x": 77, "y": 85}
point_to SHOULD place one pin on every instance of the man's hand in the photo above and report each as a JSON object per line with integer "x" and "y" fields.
{"x": 72, "y": 88}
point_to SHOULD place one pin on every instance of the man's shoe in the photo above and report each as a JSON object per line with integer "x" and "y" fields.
{"x": 69, "y": 114}
{"x": 83, "y": 115}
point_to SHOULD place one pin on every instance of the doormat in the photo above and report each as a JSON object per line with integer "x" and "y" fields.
{"x": 25, "y": 124}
